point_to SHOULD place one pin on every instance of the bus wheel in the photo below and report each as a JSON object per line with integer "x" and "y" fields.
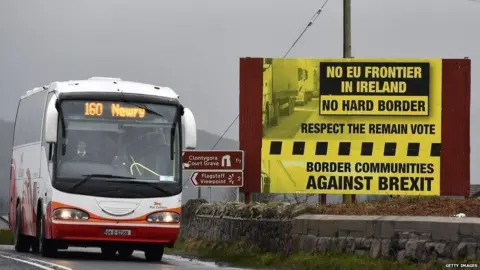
{"x": 46, "y": 247}
{"x": 125, "y": 252}
{"x": 109, "y": 252}
{"x": 36, "y": 239}
{"x": 21, "y": 242}
{"x": 154, "y": 254}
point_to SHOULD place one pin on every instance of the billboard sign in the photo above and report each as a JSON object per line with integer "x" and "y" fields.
{"x": 351, "y": 126}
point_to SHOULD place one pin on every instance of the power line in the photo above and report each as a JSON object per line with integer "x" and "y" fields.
{"x": 312, "y": 20}
{"x": 310, "y": 23}
{"x": 231, "y": 124}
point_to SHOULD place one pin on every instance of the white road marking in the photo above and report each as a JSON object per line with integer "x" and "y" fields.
{"x": 51, "y": 264}
{"x": 28, "y": 262}
{"x": 197, "y": 262}
{"x": 32, "y": 261}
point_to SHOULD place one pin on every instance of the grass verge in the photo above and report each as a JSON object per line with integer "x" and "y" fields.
{"x": 244, "y": 255}
{"x": 6, "y": 237}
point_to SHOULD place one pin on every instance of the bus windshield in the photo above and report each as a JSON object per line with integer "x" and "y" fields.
{"x": 134, "y": 141}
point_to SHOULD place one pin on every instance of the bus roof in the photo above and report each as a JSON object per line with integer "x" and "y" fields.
{"x": 105, "y": 84}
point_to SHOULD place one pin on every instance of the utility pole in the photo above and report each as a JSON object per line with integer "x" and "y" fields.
{"x": 347, "y": 53}
{"x": 347, "y": 29}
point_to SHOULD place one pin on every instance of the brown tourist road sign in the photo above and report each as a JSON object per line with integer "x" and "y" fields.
{"x": 217, "y": 179}
{"x": 213, "y": 160}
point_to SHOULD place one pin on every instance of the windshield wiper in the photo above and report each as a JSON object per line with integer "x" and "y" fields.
{"x": 89, "y": 176}
{"x": 142, "y": 183}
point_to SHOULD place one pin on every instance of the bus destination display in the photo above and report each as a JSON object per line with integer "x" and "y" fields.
{"x": 93, "y": 109}
{"x": 113, "y": 110}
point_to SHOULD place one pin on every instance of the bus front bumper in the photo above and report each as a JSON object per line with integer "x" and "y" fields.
{"x": 102, "y": 232}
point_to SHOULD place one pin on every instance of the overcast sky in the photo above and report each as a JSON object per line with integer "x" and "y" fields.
{"x": 194, "y": 46}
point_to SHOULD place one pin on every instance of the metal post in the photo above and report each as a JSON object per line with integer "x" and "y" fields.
{"x": 248, "y": 197}
{"x": 322, "y": 199}
{"x": 347, "y": 53}
{"x": 347, "y": 30}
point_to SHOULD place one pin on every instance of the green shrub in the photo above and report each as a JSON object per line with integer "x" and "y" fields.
{"x": 6, "y": 237}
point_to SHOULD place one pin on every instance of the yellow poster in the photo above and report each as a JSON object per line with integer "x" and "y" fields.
{"x": 351, "y": 126}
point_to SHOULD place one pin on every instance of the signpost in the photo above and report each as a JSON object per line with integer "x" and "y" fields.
{"x": 217, "y": 179}
{"x": 213, "y": 160}
{"x": 216, "y": 168}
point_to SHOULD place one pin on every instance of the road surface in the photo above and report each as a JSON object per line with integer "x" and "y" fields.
{"x": 90, "y": 259}
{"x": 289, "y": 126}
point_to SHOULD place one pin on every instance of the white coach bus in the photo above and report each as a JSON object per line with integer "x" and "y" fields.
{"x": 98, "y": 163}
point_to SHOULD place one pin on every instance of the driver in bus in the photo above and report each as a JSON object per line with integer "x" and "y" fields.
{"x": 82, "y": 154}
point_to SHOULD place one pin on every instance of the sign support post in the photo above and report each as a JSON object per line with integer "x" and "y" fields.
{"x": 347, "y": 53}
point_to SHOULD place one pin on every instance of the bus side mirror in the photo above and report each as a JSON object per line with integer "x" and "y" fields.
{"x": 51, "y": 121}
{"x": 190, "y": 129}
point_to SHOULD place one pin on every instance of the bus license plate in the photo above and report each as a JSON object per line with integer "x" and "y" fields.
{"x": 118, "y": 232}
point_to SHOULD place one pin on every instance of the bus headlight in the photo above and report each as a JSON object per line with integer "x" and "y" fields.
{"x": 66, "y": 213}
{"x": 164, "y": 217}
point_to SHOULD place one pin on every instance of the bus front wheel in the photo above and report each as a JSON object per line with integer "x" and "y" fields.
{"x": 154, "y": 254}
{"x": 109, "y": 252}
{"x": 46, "y": 247}
{"x": 125, "y": 252}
